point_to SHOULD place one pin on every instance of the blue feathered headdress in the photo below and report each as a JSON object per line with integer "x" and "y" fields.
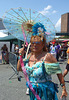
{"x": 38, "y": 29}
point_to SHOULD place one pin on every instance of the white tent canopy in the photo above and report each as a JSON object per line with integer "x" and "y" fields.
{"x": 2, "y": 34}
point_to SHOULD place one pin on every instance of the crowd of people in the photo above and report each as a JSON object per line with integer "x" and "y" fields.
{"x": 58, "y": 49}
{"x": 55, "y": 48}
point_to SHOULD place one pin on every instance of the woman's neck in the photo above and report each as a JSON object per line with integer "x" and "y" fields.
{"x": 37, "y": 53}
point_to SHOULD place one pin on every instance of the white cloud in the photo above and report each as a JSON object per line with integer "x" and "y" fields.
{"x": 2, "y": 34}
{"x": 44, "y": 12}
{"x": 58, "y": 25}
{"x": 48, "y": 7}
{"x": 54, "y": 11}
{"x": 47, "y": 10}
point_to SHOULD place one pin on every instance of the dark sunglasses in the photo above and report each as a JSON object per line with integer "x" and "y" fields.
{"x": 35, "y": 42}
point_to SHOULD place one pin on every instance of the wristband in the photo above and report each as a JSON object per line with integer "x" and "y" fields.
{"x": 18, "y": 57}
{"x": 64, "y": 88}
{"x": 62, "y": 84}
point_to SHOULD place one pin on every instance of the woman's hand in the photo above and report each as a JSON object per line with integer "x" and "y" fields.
{"x": 64, "y": 93}
{"x": 21, "y": 51}
{"x": 61, "y": 79}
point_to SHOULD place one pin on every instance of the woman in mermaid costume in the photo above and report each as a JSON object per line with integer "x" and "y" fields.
{"x": 40, "y": 65}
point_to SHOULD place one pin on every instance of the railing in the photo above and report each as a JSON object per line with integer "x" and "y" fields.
{"x": 13, "y": 60}
{"x": 13, "y": 63}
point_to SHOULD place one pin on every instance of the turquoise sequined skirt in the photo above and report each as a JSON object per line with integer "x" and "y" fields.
{"x": 46, "y": 91}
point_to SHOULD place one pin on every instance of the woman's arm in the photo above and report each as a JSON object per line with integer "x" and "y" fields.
{"x": 21, "y": 52}
{"x": 19, "y": 66}
{"x": 62, "y": 83}
{"x": 50, "y": 59}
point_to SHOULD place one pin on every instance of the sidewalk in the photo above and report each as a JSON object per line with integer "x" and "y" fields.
{"x": 0, "y": 61}
{"x": 11, "y": 89}
{"x": 15, "y": 90}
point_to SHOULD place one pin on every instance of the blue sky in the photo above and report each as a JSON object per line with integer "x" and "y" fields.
{"x": 53, "y": 9}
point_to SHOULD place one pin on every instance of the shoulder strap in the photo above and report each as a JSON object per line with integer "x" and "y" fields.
{"x": 44, "y": 58}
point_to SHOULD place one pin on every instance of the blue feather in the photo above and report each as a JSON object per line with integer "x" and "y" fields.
{"x": 35, "y": 28}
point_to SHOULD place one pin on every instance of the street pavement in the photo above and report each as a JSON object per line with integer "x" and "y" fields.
{"x": 16, "y": 90}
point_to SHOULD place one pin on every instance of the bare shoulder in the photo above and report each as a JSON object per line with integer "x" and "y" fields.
{"x": 50, "y": 58}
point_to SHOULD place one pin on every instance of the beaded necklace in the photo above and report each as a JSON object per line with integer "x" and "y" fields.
{"x": 35, "y": 60}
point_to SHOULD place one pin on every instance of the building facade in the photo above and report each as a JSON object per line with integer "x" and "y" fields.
{"x": 65, "y": 23}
